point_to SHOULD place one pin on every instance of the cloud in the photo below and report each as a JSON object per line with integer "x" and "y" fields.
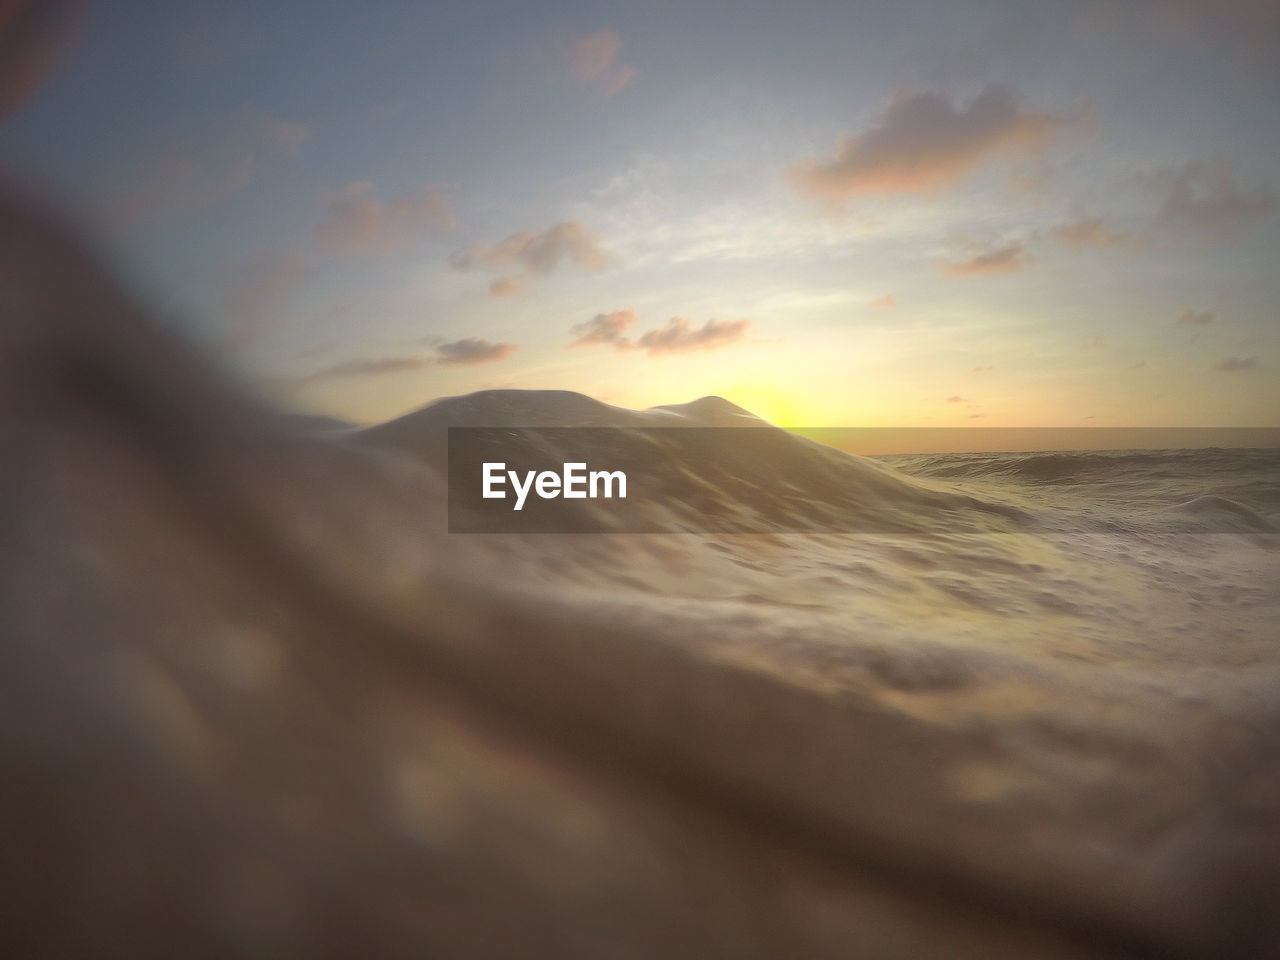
{"x": 465, "y": 352}
{"x": 181, "y": 178}
{"x": 603, "y": 328}
{"x": 363, "y": 367}
{"x": 1236, "y": 364}
{"x": 283, "y": 136}
{"x": 593, "y": 62}
{"x": 1191, "y": 318}
{"x": 533, "y": 252}
{"x": 923, "y": 141}
{"x": 538, "y": 251}
{"x": 260, "y": 286}
{"x": 1003, "y": 260}
{"x": 1090, "y": 233}
{"x": 887, "y": 302}
{"x": 955, "y": 399}
{"x": 508, "y": 286}
{"x": 175, "y": 182}
{"x": 355, "y": 219}
{"x": 1206, "y": 201}
{"x": 209, "y": 39}
{"x": 984, "y": 369}
{"x": 473, "y": 350}
{"x": 1252, "y": 26}
{"x": 678, "y": 336}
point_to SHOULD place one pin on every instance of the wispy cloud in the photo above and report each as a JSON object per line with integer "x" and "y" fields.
{"x": 593, "y": 61}
{"x": 1192, "y": 318}
{"x": 887, "y": 302}
{"x": 362, "y": 367}
{"x": 356, "y": 219}
{"x": 183, "y": 178}
{"x": 259, "y": 287}
{"x": 175, "y": 182}
{"x": 1091, "y": 233}
{"x": 1236, "y": 364}
{"x": 473, "y": 350}
{"x": 678, "y": 336}
{"x": 923, "y": 141}
{"x": 282, "y": 136}
{"x": 469, "y": 351}
{"x": 955, "y": 399}
{"x": 508, "y": 286}
{"x": 208, "y": 39}
{"x": 1205, "y": 200}
{"x": 1003, "y": 260}
{"x": 1252, "y": 26}
{"x": 533, "y": 252}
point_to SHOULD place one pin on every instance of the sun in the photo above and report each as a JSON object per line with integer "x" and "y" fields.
{"x": 766, "y": 402}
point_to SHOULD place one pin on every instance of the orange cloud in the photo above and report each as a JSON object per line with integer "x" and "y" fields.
{"x": 355, "y": 219}
{"x": 604, "y": 328}
{"x": 508, "y": 286}
{"x": 887, "y": 302}
{"x": 678, "y": 336}
{"x": 593, "y": 62}
{"x": 1004, "y": 260}
{"x": 923, "y": 141}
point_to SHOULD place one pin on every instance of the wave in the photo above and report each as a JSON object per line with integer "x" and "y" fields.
{"x": 1094, "y": 466}
{"x": 692, "y": 469}
{"x": 255, "y": 701}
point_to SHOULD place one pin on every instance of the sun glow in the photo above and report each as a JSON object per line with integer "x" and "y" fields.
{"x": 767, "y": 402}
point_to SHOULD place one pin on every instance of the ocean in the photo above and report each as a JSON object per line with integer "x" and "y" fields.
{"x": 257, "y": 700}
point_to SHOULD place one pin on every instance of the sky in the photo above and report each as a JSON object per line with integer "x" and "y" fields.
{"x": 831, "y": 213}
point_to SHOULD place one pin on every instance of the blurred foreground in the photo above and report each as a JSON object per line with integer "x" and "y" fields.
{"x": 255, "y": 702}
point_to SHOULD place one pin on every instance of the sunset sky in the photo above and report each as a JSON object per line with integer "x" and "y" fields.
{"x": 854, "y": 214}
